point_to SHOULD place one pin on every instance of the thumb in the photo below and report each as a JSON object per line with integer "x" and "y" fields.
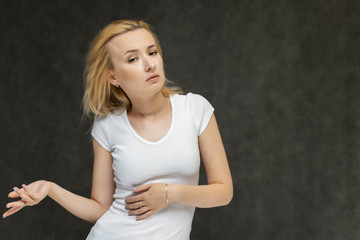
{"x": 142, "y": 188}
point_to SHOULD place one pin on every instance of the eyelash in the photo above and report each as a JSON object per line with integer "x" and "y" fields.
{"x": 152, "y": 53}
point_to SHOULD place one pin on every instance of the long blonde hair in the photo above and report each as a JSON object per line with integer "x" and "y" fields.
{"x": 100, "y": 97}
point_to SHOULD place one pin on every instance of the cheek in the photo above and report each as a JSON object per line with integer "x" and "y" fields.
{"x": 160, "y": 61}
{"x": 160, "y": 64}
{"x": 129, "y": 78}
{"x": 126, "y": 74}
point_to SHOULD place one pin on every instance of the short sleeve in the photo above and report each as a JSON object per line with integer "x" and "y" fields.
{"x": 100, "y": 132}
{"x": 201, "y": 111}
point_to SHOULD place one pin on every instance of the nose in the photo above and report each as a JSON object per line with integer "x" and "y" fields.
{"x": 149, "y": 64}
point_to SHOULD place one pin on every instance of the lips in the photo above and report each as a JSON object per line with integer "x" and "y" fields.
{"x": 153, "y": 77}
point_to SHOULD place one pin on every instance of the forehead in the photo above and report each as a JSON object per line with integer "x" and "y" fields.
{"x": 133, "y": 40}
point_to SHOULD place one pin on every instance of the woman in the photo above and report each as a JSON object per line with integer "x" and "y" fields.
{"x": 147, "y": 141}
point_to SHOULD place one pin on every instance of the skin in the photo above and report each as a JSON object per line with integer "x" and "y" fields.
{"x": 135, "y": 59}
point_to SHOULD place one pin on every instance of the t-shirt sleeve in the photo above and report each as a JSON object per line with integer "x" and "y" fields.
{"x": 201, "y": 111}
{"x": 100, "y": 132}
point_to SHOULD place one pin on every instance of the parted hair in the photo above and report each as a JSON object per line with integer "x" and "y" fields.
{"x": 101, "y": 97}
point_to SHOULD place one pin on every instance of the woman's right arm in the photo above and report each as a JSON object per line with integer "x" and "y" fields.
{"x": 91, "y": 210}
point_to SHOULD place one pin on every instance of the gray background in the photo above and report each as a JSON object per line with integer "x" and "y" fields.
{"x": 283, "y": 77}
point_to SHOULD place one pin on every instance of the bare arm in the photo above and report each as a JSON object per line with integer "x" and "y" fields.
{"x": 88, "y": 209}
{"x": 102, "y": 191}
{"x": 219, "y": 190}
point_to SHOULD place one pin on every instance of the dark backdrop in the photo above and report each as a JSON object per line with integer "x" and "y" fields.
{"x": 283, "y": 77}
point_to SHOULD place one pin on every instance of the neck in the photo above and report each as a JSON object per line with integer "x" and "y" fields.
{"x": 150, "y": 106}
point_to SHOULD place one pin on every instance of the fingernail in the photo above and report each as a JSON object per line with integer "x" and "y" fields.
{"x": 23, "y": 185}
{"x": 129, "y": 213}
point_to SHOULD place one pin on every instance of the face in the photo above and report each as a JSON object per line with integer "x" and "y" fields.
{"x": 137, "y": 65}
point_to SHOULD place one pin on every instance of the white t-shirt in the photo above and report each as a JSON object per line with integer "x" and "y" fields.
{"x": 174, "y": 159}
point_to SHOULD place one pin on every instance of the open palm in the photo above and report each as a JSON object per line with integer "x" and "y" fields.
{"x": 30, "y": 195}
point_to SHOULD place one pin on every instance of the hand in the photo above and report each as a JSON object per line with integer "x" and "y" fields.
{"x": 30, "y": 195}
{"x": 152, "y": 198}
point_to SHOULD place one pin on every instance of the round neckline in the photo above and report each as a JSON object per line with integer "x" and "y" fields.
{"x": 160, "y": 140}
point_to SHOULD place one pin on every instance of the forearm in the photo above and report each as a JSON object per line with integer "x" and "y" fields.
{"x": 87, "y": 209}
{"x": 203, "y": 196}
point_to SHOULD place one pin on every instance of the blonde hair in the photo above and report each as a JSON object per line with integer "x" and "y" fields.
{"x": 101, "y": 97}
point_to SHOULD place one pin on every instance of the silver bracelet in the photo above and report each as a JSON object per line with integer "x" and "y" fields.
{"x": 167, "y": 199}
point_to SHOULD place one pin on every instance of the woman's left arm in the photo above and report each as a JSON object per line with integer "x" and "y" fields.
{"x": 219, "y": 190}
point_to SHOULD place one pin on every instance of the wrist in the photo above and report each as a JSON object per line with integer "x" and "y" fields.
{"x": 173, "y": 193}
{"x": 51, "y": 187}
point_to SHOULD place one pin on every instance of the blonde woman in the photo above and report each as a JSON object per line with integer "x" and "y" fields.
{"x": 147, "y": 142}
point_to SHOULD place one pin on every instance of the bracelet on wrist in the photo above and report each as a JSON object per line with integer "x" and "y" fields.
{"x": 166, "y": 193}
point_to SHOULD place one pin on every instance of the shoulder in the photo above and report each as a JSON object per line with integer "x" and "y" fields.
{"x": 190, "y": 99}
{"x": 102, "y": 121}
{"x": 101, "y": 126}
{"x": 195, "y": 108}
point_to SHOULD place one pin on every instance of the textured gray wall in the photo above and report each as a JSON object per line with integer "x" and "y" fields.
{"x": 282, "y": 75}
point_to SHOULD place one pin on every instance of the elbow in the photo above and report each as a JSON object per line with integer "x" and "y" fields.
{"x": 229, "y": 194}
{"x": 228, "y": 197}
{"x": 98, "y": 215}
{"x": 224, "y": 194}
{"x": 99, "y": 211}
{"x": 93, "y": 221}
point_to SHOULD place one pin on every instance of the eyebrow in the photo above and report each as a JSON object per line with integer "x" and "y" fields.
{"x": 136, "y": 50}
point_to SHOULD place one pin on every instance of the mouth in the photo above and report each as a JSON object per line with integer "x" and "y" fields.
{"x": 153, "y": 77}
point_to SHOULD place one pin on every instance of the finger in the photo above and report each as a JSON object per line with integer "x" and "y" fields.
{"x": 29, "y": 192}
{"x": 134, "y": 199}
{"x": 133, "y": 206}
{"x": 13, "y": 194}
{"x": 142, "y": 188}
{"x": 24, "y": 196}
{"x": 139, "y": 211}
{"x": 14, "y": 207}
{"x": 145, "y": 215}
{"x": 11, "y": 212}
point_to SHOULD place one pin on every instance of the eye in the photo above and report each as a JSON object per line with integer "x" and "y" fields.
{"x": 153, "y": 53}
{"x": 133, "y": 59}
